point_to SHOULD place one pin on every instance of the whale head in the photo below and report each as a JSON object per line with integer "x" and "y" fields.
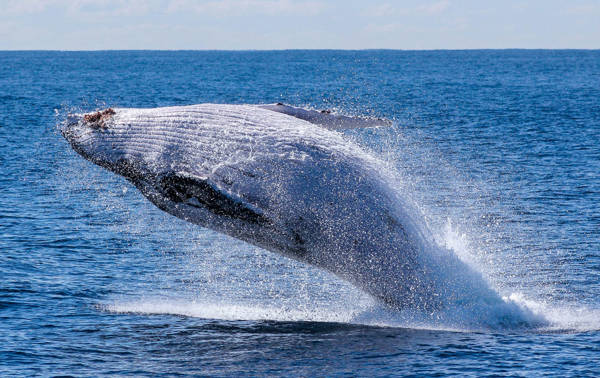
{"x": 192, "y": 169}
{"x": 98, "y": 138}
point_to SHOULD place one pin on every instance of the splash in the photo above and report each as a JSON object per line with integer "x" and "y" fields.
{"x": 228, "y": 311}
{"x": 468, "y": 216}
{"x": 560, "y": 318}
{"x": 464, "y": 298}
{"x": 367, "y": 313}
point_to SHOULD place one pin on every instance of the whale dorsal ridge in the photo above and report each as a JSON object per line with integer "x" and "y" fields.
{"x": 327, "y": 119}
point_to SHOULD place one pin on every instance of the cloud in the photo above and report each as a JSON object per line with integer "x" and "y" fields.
{"x": 382, "y": 10}
{"x": 100, "y": 8}
{"x": 16, "y": 7}
{"x": 437, "y": 7}
{"x": 85, "y": 8}
{"x": 584, "y": 9}
{"x": 238, "y": 7}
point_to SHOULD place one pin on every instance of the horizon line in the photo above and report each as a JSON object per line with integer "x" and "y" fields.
{"x": 310, "y": 49}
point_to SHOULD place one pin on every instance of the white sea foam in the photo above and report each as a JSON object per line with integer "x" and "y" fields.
{"x": 480, "y": 317}
{"x": 228, "y": 311}
{"x": 561, "y": 317}
{"x": 543, "y": 317}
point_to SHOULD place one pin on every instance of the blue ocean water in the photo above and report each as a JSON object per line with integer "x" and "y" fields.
{"x": 499, "y": 152}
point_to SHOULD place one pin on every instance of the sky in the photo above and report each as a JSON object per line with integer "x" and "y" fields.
{"x": 298, "y": 24}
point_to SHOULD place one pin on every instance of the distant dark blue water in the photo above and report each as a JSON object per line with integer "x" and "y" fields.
{"x": 498, "y": 150}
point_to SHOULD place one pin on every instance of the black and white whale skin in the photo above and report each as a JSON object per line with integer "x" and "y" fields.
{"x": 280, "y": 178}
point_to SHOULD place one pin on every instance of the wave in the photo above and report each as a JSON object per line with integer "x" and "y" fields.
{"x": 544, "y": 318}
{"x": 508, "y": 317}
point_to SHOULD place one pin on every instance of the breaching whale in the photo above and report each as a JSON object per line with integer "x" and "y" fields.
{"x": 281, "y": 178}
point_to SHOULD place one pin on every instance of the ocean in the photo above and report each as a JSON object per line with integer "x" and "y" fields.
{"x": 496, "y": 151}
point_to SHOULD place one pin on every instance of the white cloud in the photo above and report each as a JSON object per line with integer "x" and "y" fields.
{"x": 229, "y": 7}
{"x": 584, "y": 9}
{"x": 103, "y": 8}
{"x": 437, "y": 7}
{"x": 15, "y": 7}
{"x": 84, "y": 8}
{"x": 382, "y": 10}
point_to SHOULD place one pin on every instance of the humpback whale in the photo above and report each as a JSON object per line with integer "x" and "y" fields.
{"x": 284, "y": 179}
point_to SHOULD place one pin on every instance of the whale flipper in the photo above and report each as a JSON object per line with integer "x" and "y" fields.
{"x": 326, "y": 118}
{"x": 202, "y": 193}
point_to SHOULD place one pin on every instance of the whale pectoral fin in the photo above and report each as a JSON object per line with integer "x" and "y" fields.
{"x": 201, "y": 193}
{"x": 326, "y": 119}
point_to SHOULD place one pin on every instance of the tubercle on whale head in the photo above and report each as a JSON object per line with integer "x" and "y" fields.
{"x": 97, "y": 120}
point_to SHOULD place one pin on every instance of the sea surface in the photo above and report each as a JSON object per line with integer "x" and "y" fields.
{"x": 497, "y": 151}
